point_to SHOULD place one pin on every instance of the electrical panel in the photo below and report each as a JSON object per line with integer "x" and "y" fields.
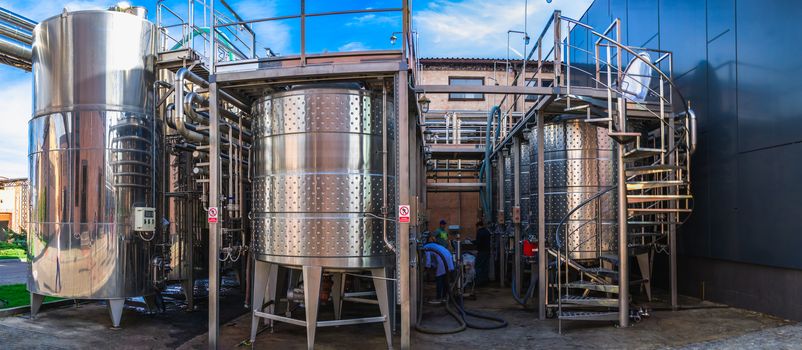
{"x": 144, "y": 219}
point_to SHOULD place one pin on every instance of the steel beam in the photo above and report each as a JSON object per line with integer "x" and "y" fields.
{"x": 215, "y": 178}
{"x": 404, "y": 246}
{"x": 516, "y": 185}
{"x": 541, "y": 222}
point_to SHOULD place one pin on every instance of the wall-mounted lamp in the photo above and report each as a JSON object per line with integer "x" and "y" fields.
{"x": 424, "y": 103}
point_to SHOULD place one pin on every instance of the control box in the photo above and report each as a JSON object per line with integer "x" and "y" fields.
{"x": 144, "y": 219}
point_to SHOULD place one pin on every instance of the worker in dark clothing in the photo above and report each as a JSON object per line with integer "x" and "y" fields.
{"x": 435, "y": 261}
{"x": 483, "y": 253}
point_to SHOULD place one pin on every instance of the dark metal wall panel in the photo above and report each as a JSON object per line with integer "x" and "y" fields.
{"x": 769, "y": 207}
{"x": 769, "y": 68}
{"x": 722, "y": 138}
{"x": 642, "y": 29}
{"x": 677, "y": 33}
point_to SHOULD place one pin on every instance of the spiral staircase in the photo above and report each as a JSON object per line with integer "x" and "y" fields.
{"x": 654, "y": 128}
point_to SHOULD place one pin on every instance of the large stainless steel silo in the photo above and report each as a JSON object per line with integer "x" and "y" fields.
{"x": 94, "y": 158}
{"x": 324, "y": 196}
{"x": 579, "y": 163}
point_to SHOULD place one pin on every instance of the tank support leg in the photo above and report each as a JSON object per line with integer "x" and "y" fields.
{"x": 189, "y": 292}
{"x": 645, "y": 272}
{"x": 312, "y": 276}
{"x": 337, "y": 293}
{"x": 116, "y": 311}
{"x": 260, "y": 274}
{"x": 380, "y": 283}
{"x": 270, "y": 292}
{"x": 150, "y": 301}
{"x": 36, "y": 304}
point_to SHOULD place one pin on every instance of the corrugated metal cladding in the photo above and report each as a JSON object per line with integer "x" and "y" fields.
{"x": 738, "y": 62}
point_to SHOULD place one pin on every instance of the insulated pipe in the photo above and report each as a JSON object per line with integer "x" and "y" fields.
{"x": 16, "y": 33}
{"x": 16, "y": 19}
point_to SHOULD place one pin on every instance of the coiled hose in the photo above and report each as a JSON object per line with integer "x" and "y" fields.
{"x": 530, "y": 291}
{"x": 454, "y": 305}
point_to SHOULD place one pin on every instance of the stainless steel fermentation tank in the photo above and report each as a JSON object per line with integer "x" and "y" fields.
{"x": 579, "y": 163}
{"x": 324, "y": 181}
{"x": 319, "y": 178}
{"x": 94, "y": 157}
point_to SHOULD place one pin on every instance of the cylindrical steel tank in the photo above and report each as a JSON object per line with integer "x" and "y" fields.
{"x": 94, "y": 155}
{"x": 318, "y": 177}
{"x": 579, "y": 163}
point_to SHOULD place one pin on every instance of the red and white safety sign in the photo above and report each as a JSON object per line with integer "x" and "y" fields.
{"x": 212, "y": 215}
{"x": 403, "y": 214}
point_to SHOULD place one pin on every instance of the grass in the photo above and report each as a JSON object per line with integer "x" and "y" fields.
{"x": 11, "y": 251}
{"x": 14, "y": 295}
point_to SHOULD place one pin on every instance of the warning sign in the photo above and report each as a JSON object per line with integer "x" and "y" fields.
{"x": 212, "y": 215}
{"x": 403, "y": 214}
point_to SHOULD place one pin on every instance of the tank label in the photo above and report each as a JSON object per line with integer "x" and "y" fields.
{"x": 403, "y": 214}
{"x": 212, "y": 215}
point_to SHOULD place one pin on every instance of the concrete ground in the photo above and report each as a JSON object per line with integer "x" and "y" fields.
{"x": 705, "y": 326}
{"x": 13, "y": 271}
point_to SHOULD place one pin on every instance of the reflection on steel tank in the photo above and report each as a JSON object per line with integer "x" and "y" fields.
{"x": 94, "y": 154}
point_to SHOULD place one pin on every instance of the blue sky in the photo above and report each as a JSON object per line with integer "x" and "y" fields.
{"x": 446, "y": 28}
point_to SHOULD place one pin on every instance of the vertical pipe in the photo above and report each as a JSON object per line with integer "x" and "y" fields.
{"x": 557, "y": 49}
{"x": 212, "y": 31}
{"x": 403, "y": 190}
{"x": 541, "y": 222}
{"x": 516, "y": 185}
{"x": 623, "y": 258}
{"x": 214, "y": 228}
{"x": 502, "y": 246}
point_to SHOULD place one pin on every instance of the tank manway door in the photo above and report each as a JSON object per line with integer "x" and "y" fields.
{"x": 144, "y": 219}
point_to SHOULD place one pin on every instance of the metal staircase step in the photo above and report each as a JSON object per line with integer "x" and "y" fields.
{"x": 645, "y": 198}
{"x": 644, "y": 234}
{"x": 624, "y": 137}
{"x": 599, "y": 287}
{"x": 651, "y": 211}
{"x": 651, "y": 222}
{"x": 643, "y": 185}
{"x": 600, "y": 271}
{"x": 589, "y": 301}
{"x": 641, "y": 153}
{"x": 651, "y": 169}
{"x": 589, "y": 315}
{"x": 611, "y": 258}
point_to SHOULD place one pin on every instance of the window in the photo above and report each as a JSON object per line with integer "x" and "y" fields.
{"x": 546, "y": 82}
{"x": 531, "y": 82}
{"x": 466, "y": 96}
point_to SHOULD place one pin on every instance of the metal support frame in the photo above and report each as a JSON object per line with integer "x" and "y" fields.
{"x": 502, "y": 246}
{"x": 541, "y": 222}
{"x": 404, "y": 242}
{"x": 214, "y": 199}
{"x": 516, "y": 185}
{"x": 623, "y": 260}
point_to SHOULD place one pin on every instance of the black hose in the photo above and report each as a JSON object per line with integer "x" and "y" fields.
{"x": 530, "y": 291}
{"x": 418, "y": 324}
{"x": 454, "y": 306}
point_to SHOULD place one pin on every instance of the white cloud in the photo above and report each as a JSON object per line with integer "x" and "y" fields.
{"x": 478, "y": 28}
{"x": 373, "y": 19}
{"x": 353, "y": 46}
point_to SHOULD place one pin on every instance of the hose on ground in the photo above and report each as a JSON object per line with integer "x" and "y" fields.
{"x": 454, "y": 305}
{"x": 530, "y": 291}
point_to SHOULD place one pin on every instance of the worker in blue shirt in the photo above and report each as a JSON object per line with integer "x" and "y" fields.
{"x": 434, "y": 260}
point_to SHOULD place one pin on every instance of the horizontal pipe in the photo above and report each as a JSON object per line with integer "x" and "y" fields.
{"x": 15, "y": 50}
{"x": 186, "y": 74}
{"x": 16, "y": 33}
{"x": 16, "y": 19}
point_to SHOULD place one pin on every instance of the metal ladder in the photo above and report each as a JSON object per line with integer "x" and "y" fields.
{"x": 655, "y": 134}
